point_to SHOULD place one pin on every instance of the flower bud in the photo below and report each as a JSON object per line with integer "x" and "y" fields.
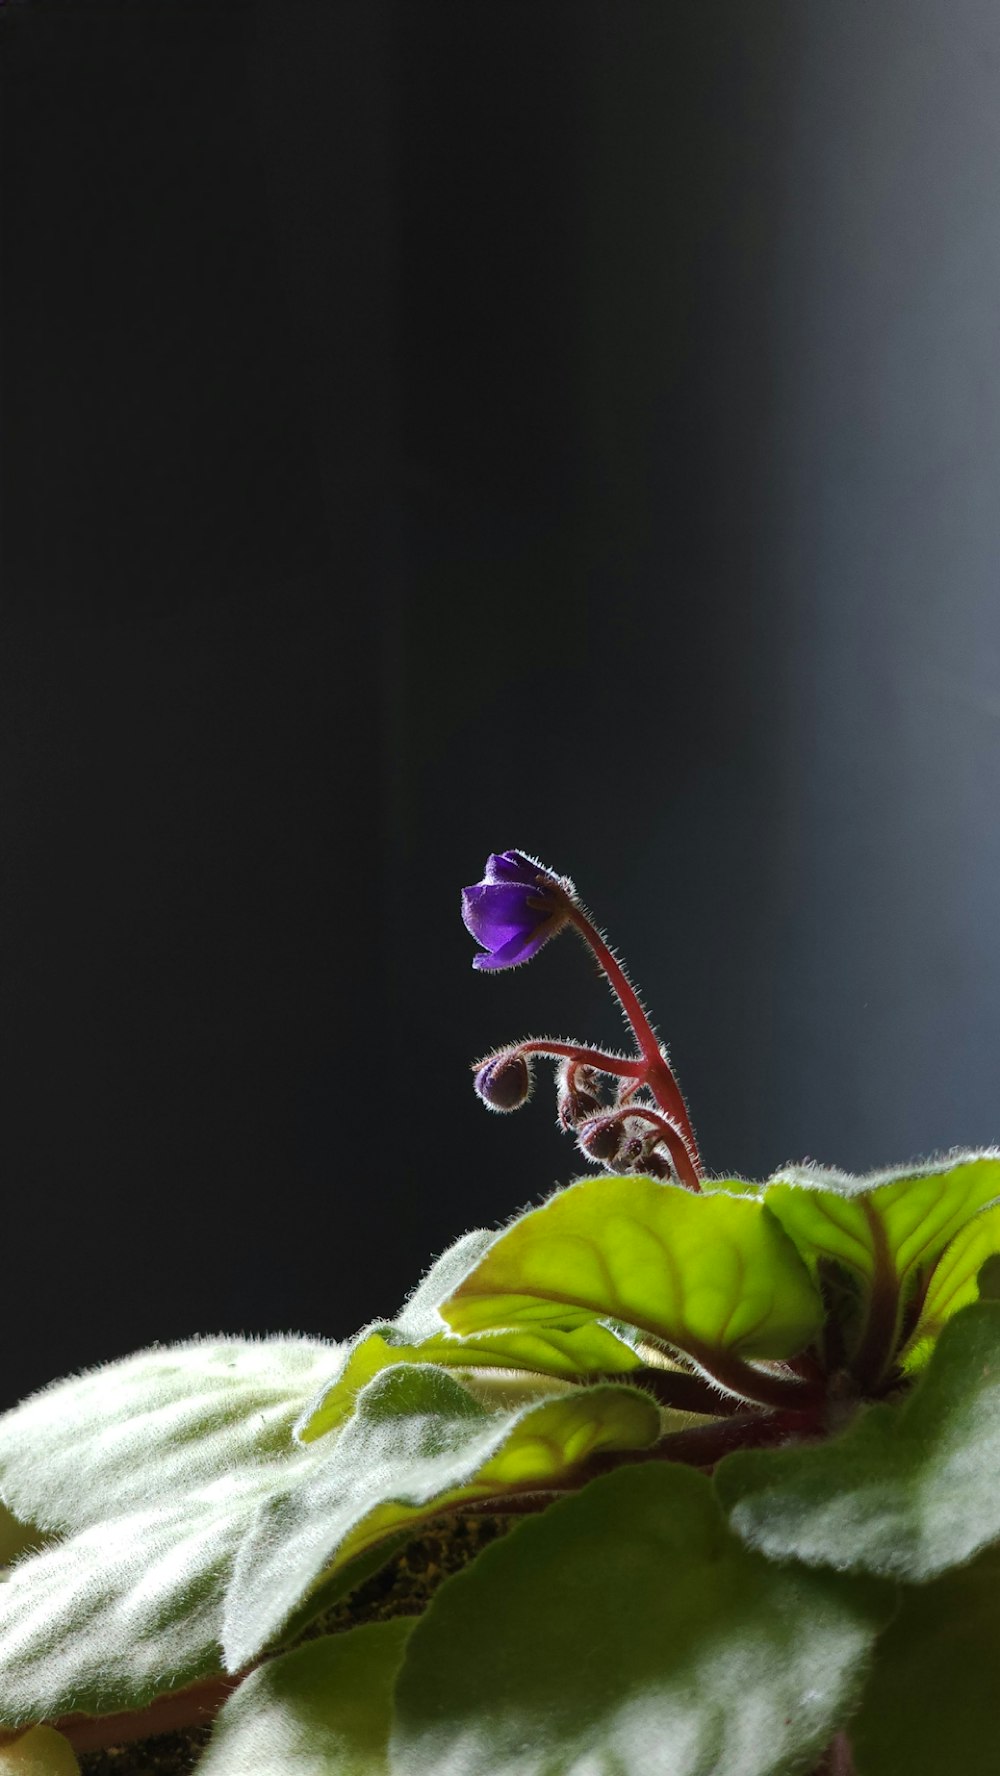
{"x": 504, "y": 1082}
{"x": 602, "y": 1138}
{"x": 578, "y": 1099}
{"x": 656, "y": 1164}
{"x": 634, "y": 1154}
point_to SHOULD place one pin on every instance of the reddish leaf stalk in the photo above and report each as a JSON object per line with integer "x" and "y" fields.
{"x": 194, "y": 1706}
{"x": 878, "y": 1340}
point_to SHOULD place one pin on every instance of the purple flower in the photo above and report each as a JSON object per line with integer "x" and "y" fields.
{"x": 515, "y": 909}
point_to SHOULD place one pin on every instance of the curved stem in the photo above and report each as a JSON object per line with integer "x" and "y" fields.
{"x": 765, "y": 1387}
{"x": 622, "y": 987}
{"x": 658, "y": 1072}
{"x": 620, "y": 1066}
{"x": 680, "y": 1390}
{"x": 672, "y": 1138}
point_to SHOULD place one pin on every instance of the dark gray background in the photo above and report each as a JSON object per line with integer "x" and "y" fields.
{"x": 431, "y": 428}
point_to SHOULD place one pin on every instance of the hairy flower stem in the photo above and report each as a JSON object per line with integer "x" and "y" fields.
{"x": 657, "y": 1073}
{"x": 619, "y": 1066}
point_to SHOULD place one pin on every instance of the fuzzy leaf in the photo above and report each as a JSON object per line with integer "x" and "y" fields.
{"x": 625, "y": 1630}
{"x": 702, "y": 1272}
{"x": 954, "y": 1282}
{"x": 158, "y": 1464}
{"x": 419, "y": 1318}
{"x": 831, "y": 1215}
{"x": 126, "y": 1609}
{"x": 417, "y": 1444}
{"x": 930, "y": 1703}
{"x": 135, "y": 1433}
{"x": 588, "y": 1350}
{"x": 907, "y": 1490}
{"x": 322, "y": 1710}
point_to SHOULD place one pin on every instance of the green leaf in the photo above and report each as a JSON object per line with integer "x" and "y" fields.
{"x": 419, "y": 1318}
{"x": 702, "y": 1273}
{"x": 915, "y": 1211}
{"x": 417, "y": 1444}
{"x": 930, "y": 1704}
{"x": 137, "y": 1432}
{"x": 588, "y": 1350}
{"x": 127, "y": 1609}
{"x": 907, "y": 1491}
{"x": 626, "y": 1632}
{"x": 158, "y": 1464}
{"x": 322, "y": 1710}
{"x": 954, "y": 1282}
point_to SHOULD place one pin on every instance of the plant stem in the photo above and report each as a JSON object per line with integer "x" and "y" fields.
{"x": 700, "y": 1447}
{"x": 671, "y": 1135}
{"x": 621, "y": 1066}
{"x": 764, "y": 1386}
{"x": 838, "y": 1759}
{"x": 879, "y": 1338}
{"x": 704, "y": 1445}
{"x": 659, "y": 1075}
{"x": 190, "y": 1707}
{"x": 681, "y": 1390}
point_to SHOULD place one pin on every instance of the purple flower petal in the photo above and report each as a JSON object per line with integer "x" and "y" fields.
{"x": 495, "y": 911}
{"x": 515, "y": 909}
{"x": 519, "y": 949}
{"x": 512, "y": 866}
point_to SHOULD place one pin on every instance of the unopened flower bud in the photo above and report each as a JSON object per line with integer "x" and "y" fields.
{"x": 602, "y": 1138}
{"x": 634, "y": 1153}
{"x": 504, "y": 1083}
{"x": 578, "y": 1099}
{"x": 657, "y": 1165}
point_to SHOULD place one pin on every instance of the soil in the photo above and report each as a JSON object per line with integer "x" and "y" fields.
{"x": 169, "y": 1754}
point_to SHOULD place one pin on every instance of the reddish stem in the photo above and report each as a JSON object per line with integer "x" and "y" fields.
{"x": 700, "y": 1447}
{"x": 767, "y": 1387}
{"x": 837, "y": 1760}
{"x": 192, "y": 1707}
{"x": 671, "y": 1136}
{"x": 658, "y": 1074}
{"x": 621, "y": 1066}
{"x": 879, "y": 1338}
{"x": 681, "y": 1390}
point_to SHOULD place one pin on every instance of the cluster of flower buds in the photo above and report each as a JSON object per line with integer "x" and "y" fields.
{"x": 626, "y": 1112}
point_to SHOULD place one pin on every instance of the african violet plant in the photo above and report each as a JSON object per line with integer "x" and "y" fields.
{"x": 713, "y": 1469}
